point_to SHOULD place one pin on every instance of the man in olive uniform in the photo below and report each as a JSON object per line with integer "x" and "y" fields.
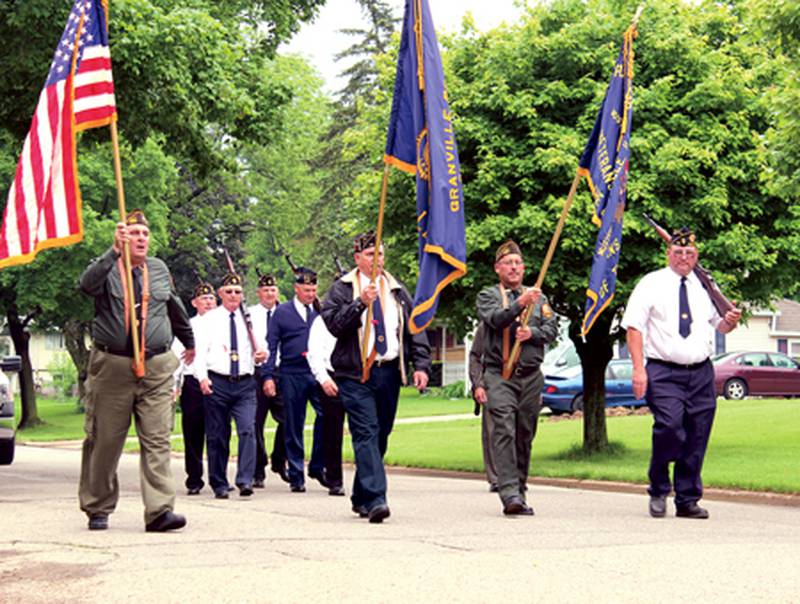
{"x": 513, "y": 403}
{"x": 115, "y": 393}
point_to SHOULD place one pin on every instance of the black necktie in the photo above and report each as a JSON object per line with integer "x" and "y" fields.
{"x": 685, "y": 321}
{"x": 308, "y": 314}
{"x": 234, "y": 348}
{"x": 380, "y": 327}
{"x": 266, "y": 333}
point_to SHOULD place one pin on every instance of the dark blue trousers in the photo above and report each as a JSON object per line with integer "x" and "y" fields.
{"x": 683, "y": 401}
{"x": 228, "y": 400}
{"x": 299, "y": 389}
{"x": 371, "y": 408}
{"x": 274, "y": 406}
{"x": 193, "y": 426}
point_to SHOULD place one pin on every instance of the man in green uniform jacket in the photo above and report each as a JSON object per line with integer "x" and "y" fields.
{"x": 115, "y": 393}
{"x": 514, "y": 403}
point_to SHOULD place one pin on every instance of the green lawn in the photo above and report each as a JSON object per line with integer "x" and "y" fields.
{"x": 755, "y": 443}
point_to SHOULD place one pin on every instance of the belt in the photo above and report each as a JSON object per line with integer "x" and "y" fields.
{"x": 230, "y": 378}
{"x": 386, "y": 363}
{"x": 148, "y": 353}
{"x": 678, "y": 365}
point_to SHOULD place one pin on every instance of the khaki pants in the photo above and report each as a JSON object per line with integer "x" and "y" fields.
{"x": 114, "y": 395}
{"x": 514, "y": 405}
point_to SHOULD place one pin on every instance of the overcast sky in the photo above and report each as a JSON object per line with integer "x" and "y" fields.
{"x": 320, "y": 40}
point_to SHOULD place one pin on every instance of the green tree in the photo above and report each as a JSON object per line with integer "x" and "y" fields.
{"x": 526, "y": 97}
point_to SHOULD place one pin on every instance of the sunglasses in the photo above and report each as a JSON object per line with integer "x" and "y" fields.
{"x": 231, "y": 292}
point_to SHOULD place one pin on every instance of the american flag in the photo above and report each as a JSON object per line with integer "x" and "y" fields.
{"x": 43, "y": 209}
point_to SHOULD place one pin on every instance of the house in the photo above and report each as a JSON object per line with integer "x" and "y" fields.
{"x": 769, "y": 330}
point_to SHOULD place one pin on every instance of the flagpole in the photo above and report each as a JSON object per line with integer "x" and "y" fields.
{"x": 526, "y": 316}
{"x": 378, "y": 242}
{"x": 138, "y": 364}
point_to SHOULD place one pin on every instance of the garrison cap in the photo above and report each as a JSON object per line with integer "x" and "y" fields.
{"x": 683, "y": 237}
{"x": 305, "y": 276}
{"x": 203, "y": 289}
{"x": 364, "y": 241}
{"x": 267, "y": 280}
{"x": 136, "y": 217}
{"x": 509, "y": 247}
{"x": 231, "y": 279}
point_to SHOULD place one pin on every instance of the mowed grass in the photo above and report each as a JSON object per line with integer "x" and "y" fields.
{"x": 755, "y": 444}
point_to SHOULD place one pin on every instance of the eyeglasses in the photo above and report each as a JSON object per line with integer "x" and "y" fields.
{"x": 231, "y": 292}
{"x": 512, "y": 263}
{"x": 685, "y": 253}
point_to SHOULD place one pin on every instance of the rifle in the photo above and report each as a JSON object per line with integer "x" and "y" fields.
{"x": 339, "y": 268}
{"x": 248, "y": 321}
{"x": 718, "y": 299}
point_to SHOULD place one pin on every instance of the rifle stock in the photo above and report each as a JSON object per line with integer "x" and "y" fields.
{"x": 718, "y": 299}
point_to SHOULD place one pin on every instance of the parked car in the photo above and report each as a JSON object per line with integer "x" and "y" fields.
{"x": 8, "y": 364}
{"x": 561, "y": 357}
{"x": 563, "y": 391}
{"x": 740, "y": 374}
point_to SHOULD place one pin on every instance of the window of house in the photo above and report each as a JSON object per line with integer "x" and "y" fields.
{"x": 53, "y": 341}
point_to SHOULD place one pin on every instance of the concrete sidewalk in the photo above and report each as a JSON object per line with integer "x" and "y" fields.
{"x": 446, "y": 541}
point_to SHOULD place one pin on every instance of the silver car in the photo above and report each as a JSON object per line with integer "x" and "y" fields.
{"x": 8, "y": 364}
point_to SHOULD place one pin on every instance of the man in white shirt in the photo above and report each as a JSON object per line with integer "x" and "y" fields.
{"x": 191, "y": 401}
{"x": 320, "y": 346}
{"x": 224, "y": 367}
{"x": 261, "y": 315}
{"x": 670, "y": 321}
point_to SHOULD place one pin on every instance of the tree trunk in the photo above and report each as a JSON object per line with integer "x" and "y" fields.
{"x": 75, "y": 332}
{"x": 21, "y": 337}
{"x": 595, "y": 353}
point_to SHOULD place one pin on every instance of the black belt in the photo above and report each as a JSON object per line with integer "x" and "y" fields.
{"x": 678, "y": 365}
{"x": 148, "y": 353}
{"x": 384, "y": 363}
{"x": 230, "y": 378}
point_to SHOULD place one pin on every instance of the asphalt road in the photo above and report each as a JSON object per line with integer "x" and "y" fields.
{"x": 446, "y": 541}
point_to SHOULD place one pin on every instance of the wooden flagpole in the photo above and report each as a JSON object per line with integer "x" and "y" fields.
{"x": 138, "y": 357}
{"x": 378, "y": 241}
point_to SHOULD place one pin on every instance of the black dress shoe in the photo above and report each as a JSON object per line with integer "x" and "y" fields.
{"x": 361, "y": 510}
{"x": 514, "y": 506}
{"x": 691, "y": 510}
{"x": 193, "y": 491}
{"x": 221, "y": 494}
{"x": 297, "y": 488}
{"x": 320, "y": 477}
{"x": 526, "y": 511}
{"x": 282, "y": 473}
{"x": 378, "y": 513}
{"x": 245, "y": 491}
{"x": 98, "y": 522}
{"x": 258, "y": 483}
{"x": 166, "y": 522}
{"x": 658, "y": 506}
{"x": 336, "y": 491}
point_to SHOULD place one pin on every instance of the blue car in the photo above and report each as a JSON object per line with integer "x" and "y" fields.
{"x": 563, "y": 391}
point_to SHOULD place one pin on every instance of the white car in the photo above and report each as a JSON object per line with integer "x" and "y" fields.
{"x": 10, "y": 364}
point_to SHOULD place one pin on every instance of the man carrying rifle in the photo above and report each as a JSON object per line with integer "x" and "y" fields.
{"x": 670, "y": 321}
{"x": 224, "y": 367}
{"x": 513, "y": 403}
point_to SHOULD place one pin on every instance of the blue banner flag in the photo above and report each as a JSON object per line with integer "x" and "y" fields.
{"x": 604, "y": 163}
{"x": 421, "y": 142}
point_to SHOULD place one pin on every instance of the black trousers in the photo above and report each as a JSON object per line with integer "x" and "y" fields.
{"x": 333, "y": 433}
{"x": 269, "y": 405}
{"x": 194, "y": 431}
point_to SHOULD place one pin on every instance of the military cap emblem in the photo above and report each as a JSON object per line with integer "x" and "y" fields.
{"x": 203, "y": 289}
{"x": 305, "y": 276}
{"x": 136, "y": 217}
{"x": 231, "y": 279}
{"x": 683, "y": 237}
{"x": 266, "y": 280}
{"x": 509, "y": 247}
{"x": 364, "y": 241}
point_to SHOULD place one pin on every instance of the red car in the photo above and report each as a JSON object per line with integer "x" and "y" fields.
{"x": 739, "y": 374}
